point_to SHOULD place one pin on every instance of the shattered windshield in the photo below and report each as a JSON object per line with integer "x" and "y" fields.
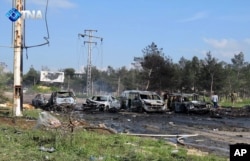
{"x": 100, "y": 98}
{"x": 64, "y": 94}
{"x": 145, "y": 96}
{"x": 155, "y": 97}
{"x": 150, "y": 97}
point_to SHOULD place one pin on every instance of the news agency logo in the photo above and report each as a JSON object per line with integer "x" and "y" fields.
{"x": 13, "y": 14}
{"x": 239, "y": 152}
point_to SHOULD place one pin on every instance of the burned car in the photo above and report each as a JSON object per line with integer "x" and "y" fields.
{"x": 136, "y": 100}
{"x": 188, "y": 103}
{"x": 61, "y": 101}
{"x": 39, "y": 101}
{"x": 102, "y": 103}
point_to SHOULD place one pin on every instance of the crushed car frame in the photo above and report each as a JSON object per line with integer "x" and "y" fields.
{"x": 61, "y": 101}
{"x": 136, "y": 100}
{"x": 188, "y": 103}
{"x": 39, "y": 101}
{"x": 102, "y": 103}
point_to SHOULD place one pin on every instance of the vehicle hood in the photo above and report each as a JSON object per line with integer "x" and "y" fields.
{"x": 97, "y": 102}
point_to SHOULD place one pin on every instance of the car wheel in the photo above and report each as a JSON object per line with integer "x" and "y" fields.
{"x": 183, "y": 108}
{"x": 102, "y": 108}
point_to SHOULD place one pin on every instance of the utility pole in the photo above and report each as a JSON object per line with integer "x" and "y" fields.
{"x": 88, "y": 33}
{"x": 18, "y": 53}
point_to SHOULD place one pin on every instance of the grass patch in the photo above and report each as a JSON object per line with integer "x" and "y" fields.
{"x": 17, "y": 143}
{"x": 238, "y": 104}
{"x": 84, "y": 145}
{"x": 31, "y": 113}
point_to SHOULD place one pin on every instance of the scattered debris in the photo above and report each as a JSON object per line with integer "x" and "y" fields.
{"x": 28, "y": 107}
{"x": 47, "y": 120}
{"x": 50, "y": 150}
{"x": 93, "y": 158}
{"x": 174, "y": 151}
{"x": 171, "y": 123}
{"x": 9, "y": 105}
{"x": 101, "y": 127}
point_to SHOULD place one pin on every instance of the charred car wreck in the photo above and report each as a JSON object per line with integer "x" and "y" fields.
{"x": 102, "y": 103}
{"x": 188, "y": 103}
{"x": 61, "y": 101}
{"x": 136, "y": 100}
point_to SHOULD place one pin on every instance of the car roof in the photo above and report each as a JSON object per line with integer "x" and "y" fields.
{"x": 139, "y": 91}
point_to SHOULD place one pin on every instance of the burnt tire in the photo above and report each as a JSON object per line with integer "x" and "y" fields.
{"x": 102, "y": 108}
{"x": 112, "y": 110}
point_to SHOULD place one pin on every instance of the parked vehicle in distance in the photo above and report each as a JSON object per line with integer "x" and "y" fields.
{"x": 102, "y": 103}
{"x": 61, "y": 101}
{"x": 136, "y": 100}
{"x": 39, "y": 101}
{"x": 188, "y": 103}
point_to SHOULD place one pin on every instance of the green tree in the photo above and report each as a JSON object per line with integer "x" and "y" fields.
{"x": 196, "y": 69}
{"x": 167, "y": 74}
{"x": 31, "y": 78}
{"x": 210, "y": 67}
{"x": 69, "y": 72}
{"x": 238, "y": 65}
{"x": 153, "y": 64}
{"x": 187, "y": 74}
{"x": 245, "y": 79}
{"x": 3, "y": 81}
{"x": 189, "y": 71}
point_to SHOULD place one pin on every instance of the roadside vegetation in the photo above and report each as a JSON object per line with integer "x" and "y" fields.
{"x": 22, "y": 141}
{"x": 227, "y": 103}
{"x": 238, "y": 104}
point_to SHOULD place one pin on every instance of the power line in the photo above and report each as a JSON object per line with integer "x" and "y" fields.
{"x": 88, "y": 33}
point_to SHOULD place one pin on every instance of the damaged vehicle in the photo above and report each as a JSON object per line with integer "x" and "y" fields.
{"x": 188, "y": 103}
{"x": 61, "y": 101}
{"x": 142, "y": 101}
{"x": 102, "y": 103}
{"x": 39, "y": 101}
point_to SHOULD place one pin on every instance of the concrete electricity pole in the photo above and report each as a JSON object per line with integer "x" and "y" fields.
{"x": 89, "y": 65}
{"x": 18, "y": 52}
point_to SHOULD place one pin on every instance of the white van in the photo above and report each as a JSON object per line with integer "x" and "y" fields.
{"x": 136, "y": 100}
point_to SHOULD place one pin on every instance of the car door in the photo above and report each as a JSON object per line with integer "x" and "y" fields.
{"x": 136, "y": 101}
{"x": 114, "y": 103}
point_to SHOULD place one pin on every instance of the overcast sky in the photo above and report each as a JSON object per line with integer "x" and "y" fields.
{"x": 181, "y": 27}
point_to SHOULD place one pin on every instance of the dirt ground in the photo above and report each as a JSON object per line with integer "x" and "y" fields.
{"x": 212, "y": 133}
{"x": 209, "y": 134}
